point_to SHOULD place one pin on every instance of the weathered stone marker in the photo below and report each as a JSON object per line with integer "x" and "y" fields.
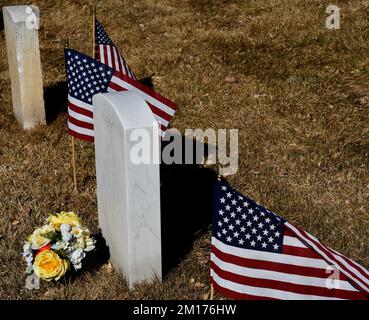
{"x": 21, "y": 32}
{"x": 128, "y": 193}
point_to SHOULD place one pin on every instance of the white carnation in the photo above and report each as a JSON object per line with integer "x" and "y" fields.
{"x": 67, "y": 237}
{"x": 60, "y": 245}
{"x": 27, "y": 253}
{"x": 29, "y": 258}
{"x": 77, "y": 266}
{"x": 76, "y": 258}
{"x": 78, "y": 255}
{"x": 26, "y": 247}
{"x": 65, "y": 228}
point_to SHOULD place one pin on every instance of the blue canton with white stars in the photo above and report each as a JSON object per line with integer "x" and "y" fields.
{"x": 86, "y": 76}
{"x": 102, "y": 36}
{"x": 238, "y": 221}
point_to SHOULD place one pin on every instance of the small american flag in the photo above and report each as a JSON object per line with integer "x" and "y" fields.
{"x": 87, "y": 77}
{"x": 256, "y": 254}
{"x": 108, "y": 53}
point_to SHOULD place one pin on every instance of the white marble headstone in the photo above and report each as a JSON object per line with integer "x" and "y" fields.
{"x": 128, "y": 194}
{"x": 21, "y": 32}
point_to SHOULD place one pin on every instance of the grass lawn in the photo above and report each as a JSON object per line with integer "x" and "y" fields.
{"x": 297, "y": 92}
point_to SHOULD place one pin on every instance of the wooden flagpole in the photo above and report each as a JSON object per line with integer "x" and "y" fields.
{"x": 94, "y": 32}
{"x": 74, "y": 165}
{"x": 73, "y": 144}
{"x": 219, "y": 176}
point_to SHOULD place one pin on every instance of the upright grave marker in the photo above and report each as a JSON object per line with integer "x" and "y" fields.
{"x": 22, "y": 44}
{"x": 128, "y": 192}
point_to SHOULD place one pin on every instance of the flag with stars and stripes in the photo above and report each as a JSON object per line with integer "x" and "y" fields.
{"x": 87, "y": 77}
{"x": 256, "y": 254}
{"x": 108, "y": 53}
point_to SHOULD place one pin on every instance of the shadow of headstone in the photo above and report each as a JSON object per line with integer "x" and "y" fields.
{"x": 99, "y": 256}
{"x": 186, "y": 207}
{"x": 147, "y": 81}
{"x": 56, "y": 100}
{"x": 1, "y": 20}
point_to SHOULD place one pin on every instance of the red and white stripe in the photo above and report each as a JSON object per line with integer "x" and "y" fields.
{"x": 162, "y": 108}
{"x": 356, "y": 273}
{"x": 80, "y": 119}
{"x": 110, "y": 55}
{"x": 80, "y": 114}
{"x": 298, "y": 273}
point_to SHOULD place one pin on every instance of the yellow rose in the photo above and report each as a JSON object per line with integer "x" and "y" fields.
{"x": 38, "y": 238}
{"x": 64, "y": 217}
{"x": 49, "y": 266}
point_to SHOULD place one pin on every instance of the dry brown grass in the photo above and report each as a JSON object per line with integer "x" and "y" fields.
{"x": 300, "y": 101}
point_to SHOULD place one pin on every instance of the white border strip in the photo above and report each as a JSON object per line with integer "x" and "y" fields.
{"x": 280, "y": 276}
{"x": 80, "y": 130}
{"x": 264, "y": 292}
{"x": 147, "y": 97}
{"x": 80, "y": 103}
{"x": 80, "y": 117}
{"x": 316, "y": 248}
{"x": 269, "y": 256}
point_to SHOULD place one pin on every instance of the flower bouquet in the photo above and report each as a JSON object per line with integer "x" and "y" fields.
{"x": 52, "y": 249}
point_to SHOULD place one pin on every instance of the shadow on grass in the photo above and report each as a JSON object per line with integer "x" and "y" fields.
{"x": 186, "y": 207}
{"x": 99, "y": 256}
{"x": 147, "y": 81}
{"x": 56, "y": 100}
{"x": 1, "y": 20}
{"x": 186, "y": 211}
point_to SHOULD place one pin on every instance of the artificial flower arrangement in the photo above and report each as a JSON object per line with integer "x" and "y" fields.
{"x": 52, "y": 249}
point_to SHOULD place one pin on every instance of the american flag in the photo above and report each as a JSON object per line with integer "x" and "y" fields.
{"x": 108, "y": 53}
{"x": 87, "y": 77}
{"x": 256, "y": 254}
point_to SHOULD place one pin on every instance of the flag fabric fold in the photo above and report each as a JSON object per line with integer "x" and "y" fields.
{"x": 87, "y": 77}
{"x": 256, "y": 254}
{"x": 108, "y": 53}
